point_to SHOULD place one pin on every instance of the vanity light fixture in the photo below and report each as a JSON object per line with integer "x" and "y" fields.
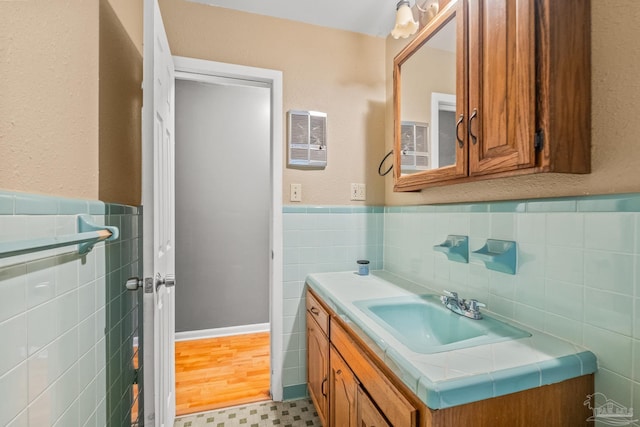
{"x": 405, "y": 25}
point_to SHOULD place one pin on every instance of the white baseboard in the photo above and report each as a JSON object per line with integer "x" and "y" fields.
{"x": 222, "y": 332}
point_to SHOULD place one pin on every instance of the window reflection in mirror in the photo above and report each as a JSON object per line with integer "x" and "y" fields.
{"x": 428, "y": 104}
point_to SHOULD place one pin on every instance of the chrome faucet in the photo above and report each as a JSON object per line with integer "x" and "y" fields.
{"x": 470, "y": 309}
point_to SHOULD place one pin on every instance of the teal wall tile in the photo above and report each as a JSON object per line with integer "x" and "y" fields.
{"x": 341, "y": 209}
{"x": 507, "y": 207}
{"x": 6, "y": 204}
{"x": 530, "y": 228}
{"x": 564, "y": 299}
{"x": 531, "y": 261}
{"x": 565, "y": 328}
{"x": 72, "y": 207}
{"x": 393, "y": 209}
{"x": 318, "y": 209}
{"x": 610, "y": 231}
{"x": 552, "y": 205}
{"x": 636, "y": 360}
{"x": 293, "y": 392}
{"x": 565, "y": 264}
{"x": 636, "y": 317}
{"x": 27, "y": 204}
{"x": 115, "y": 209}
{"x": 97, "y": 208}
{"x": 609, "y": 271}
{"x": 608, "y": 310}
{"x": 294, "y": 209}
{"x": 613, "y": 350}
{"x": 565, "y": 229}
{"x": 610, "y": 203}
{"x": 614, "y": 387}
{"x": 503, "y": 226}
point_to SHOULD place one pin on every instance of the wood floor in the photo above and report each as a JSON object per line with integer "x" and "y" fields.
{"x": 221, "y": 372}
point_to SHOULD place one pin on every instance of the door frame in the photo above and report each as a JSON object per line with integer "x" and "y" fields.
{"x": 206, "y": 71}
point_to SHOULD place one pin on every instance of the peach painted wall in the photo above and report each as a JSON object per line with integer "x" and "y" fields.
{"x": 49, "y": 97}
{"x": 120, "y": 103}
{"x": 49, "y": 109}
{"x": 336, "y": 72}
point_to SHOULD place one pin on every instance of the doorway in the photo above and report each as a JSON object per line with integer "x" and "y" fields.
{"x": 228, "y": 210}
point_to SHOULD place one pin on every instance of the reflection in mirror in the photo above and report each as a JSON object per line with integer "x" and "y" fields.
{"x": 428, "y": 104}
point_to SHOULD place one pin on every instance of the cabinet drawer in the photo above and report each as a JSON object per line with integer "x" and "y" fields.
{"x": 398, "y": 410}
{"x": 318, "y": 312}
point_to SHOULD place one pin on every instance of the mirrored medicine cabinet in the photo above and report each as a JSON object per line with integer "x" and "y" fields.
{"x": 492, "y": 89}
{"x": 428, "y": 100}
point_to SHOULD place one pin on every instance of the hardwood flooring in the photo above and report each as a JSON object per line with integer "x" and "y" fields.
{"x": 221, "y": 372}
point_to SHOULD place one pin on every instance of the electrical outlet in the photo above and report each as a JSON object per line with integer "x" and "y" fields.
{"x": 358, "y": 192}
{"x": 296, "y": 192}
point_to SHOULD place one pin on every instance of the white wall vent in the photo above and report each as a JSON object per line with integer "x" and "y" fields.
{"x": 307, "y": 138}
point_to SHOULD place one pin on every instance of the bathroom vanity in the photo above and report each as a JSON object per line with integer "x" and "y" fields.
{"x": 361, "y": 372}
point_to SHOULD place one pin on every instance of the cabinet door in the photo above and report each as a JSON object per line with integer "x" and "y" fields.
{"x": 317, "y": 367}
{"x": 430, "y": 87}
{"x": 368, "y": 414}
{"x": 501, "y": 85}
{"x": 344, "y": 387}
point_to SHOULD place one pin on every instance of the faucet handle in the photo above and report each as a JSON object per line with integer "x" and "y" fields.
{"x": 450, "y": 294}
{"x": 475, "y": 305}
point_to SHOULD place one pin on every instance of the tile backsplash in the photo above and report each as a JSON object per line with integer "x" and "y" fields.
{"x": 577, "y": 277}
{"x": 66, "y": 323}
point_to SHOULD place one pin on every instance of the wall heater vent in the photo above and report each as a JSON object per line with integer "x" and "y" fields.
{"x": 307, "y": 139}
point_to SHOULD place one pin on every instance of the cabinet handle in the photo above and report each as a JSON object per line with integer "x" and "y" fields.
{"x": 324, "y": 393}
{"x": 458, "y": 123}
{"x": 339, "y": 372}
{"x": 474, "y": 139}
{"x": 314, "y": 310}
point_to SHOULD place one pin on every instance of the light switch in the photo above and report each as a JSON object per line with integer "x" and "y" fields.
{"x": 296, "y": 192}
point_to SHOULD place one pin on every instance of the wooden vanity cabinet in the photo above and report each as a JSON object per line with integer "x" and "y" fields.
{"x": 343, "y": 386}
{"x": 352, "y": 387}
{"x": 318, "y": 356}
{"x": 357, "y": 389}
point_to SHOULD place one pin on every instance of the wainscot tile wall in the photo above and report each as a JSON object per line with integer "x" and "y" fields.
{"x": 66, "y": 323}
{"x": 578, "y": 273}
{"x": 320, "y": 239}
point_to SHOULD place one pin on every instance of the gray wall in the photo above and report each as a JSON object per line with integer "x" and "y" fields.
{"x": 223, "y": 199}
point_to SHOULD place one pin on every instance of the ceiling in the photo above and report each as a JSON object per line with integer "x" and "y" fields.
{"x": 371, "y": 17}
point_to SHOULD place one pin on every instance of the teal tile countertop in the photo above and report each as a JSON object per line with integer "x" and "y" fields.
{"x": 456, "y": 377}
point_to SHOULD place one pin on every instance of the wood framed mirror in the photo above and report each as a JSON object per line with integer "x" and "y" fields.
{"x": 430, "y": 98}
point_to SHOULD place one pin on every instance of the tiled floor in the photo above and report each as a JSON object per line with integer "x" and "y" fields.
{"x": 296, "y": 413}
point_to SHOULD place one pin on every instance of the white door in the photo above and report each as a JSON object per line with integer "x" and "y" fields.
{"x": 158, "y": 139}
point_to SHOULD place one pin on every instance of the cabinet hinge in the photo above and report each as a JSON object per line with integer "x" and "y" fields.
{"x": 538, "y": 141}
{"x": 135, "y": 376}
